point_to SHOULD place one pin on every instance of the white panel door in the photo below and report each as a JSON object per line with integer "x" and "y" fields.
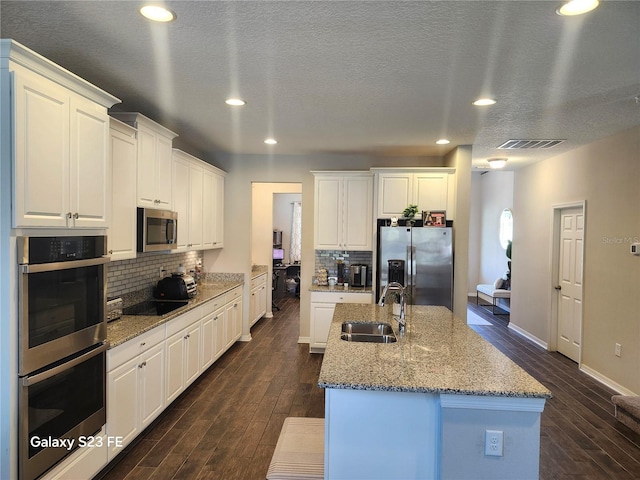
{"x": 147, "y": 169}
{"x": 328, "y": 213}
{"x": 570, "y": 282}
{"x": 174, "y": 372}
{"x": 358, "y": 203}
{"x": 430, "y": 191}
{"x": 195, "y": 207}
{"x": 209, "y": 208}
{"x": 151, "y": 385}
{"x": 89, "y": 168}
{"x": 395, "y": 193}
{"x": 164, "y": 152}
{"x": 122, "y": 228}
{"x": 122, "y": 404}
{"x": 181, "y": 199}
{"x": 208, "y": 341}
{"x": 41, "y": 130}
{"x": 321, "y": 318}
{"x": 192, "y": 353}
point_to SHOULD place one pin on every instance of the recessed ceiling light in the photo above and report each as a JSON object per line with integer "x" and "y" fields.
{"x": 577, "y": 7}
{"x": 157, "y": 14}
{"x": 235, "y": 102}
{"x": 443, "y": 141}
{"x": 483, "y": 102}
{"x": 497, "y": 162}
{"x": 270, "y": 141}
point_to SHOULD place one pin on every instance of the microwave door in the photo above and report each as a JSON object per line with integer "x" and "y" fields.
{"x": 171, "y": 232}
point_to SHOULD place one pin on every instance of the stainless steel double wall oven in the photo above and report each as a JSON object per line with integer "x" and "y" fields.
{"x": 62, "y": 346}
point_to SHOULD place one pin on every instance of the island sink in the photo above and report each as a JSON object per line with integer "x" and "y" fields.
{"x": 367, "y": 332}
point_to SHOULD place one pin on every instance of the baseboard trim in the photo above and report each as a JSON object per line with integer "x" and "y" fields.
{"x": 606, "y": 381}
{"x": 528, "y": 336}
{"x": 304, "y": 339}
{"x": 245, "y": 338}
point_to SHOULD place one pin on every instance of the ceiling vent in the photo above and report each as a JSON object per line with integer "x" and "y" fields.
{"x": 527, "y": 144}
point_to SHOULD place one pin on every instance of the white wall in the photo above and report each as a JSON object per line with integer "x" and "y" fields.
{"x": 496, "y": 194}
{"x": 243, "y": 170}
{"x": 606, "y": 175}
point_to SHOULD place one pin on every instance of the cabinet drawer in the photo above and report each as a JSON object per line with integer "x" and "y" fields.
{"x": 183, "y": 321}
{"x": 258, "y": 280}
{"x": 233, "y": 295}
{"x": 134, "y": 347}
{"x": 341, "y": 297}
{"x": 212, "y": 305}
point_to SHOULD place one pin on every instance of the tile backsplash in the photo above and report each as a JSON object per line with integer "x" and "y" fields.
{"x": 142, "y": 273}
{"x": 328, "y": 259}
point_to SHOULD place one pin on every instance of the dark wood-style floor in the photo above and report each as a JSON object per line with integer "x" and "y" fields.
{"x": 226, "y": 425}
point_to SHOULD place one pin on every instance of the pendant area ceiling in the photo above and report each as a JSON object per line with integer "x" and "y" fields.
{"x": 380, "y": 78}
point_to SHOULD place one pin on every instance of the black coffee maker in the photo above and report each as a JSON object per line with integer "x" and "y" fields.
{"x": 396, "y": 271}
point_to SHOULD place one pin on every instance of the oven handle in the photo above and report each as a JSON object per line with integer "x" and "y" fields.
{"x": 52, "y": 267}
{"x": 32, "y": 380}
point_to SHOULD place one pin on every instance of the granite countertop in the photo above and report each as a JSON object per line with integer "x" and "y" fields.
{"x": 257, "y": 270}
{"x": 130, "y": 326}
{"x": 340, "y": 289}
{"x": 438, "y": 353}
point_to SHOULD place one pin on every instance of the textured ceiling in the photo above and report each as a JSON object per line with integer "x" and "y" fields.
{"x": 383, "y": 77}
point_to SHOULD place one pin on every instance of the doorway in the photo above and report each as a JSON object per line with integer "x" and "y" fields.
{"x": 262, "y": 225}
{"x": 568, "y": 262}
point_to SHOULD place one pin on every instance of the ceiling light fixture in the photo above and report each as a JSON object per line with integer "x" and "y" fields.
{"x": 443, "y": 141}
{"x": 235, "y": 102}
{"x": 157, "y": 14}
{"x": 484, "y": 102}
{"x": 497, "y": 162}
{"x": 577, "y": 7}
{"x": 270, "y": 141}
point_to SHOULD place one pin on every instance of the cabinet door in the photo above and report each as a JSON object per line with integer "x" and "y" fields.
{"x": 221, "y": 337}
{"x": 328, "y": 213}
{"x": 208, "y": 341}
{"x": 218, "y": 238}
{"x": 262, "y": 299}
{"x": 208, "y": 209}
{"x": 181, "y": 200}
{"x": 430, "y": 191}
{"x": 357, "y": 212}
{"x": 151, "y": 399}
{"x": 321, "y": 317}
{"x": 175, "y": 350}
{"x": 122, "y": 228}
{"x": 89, "y": 173}
{"x": 147, "y": 168}
{"x": 192, "y": 353}
{"x": 237, "y": 311}
{"x": 122, "y": 404}
{"x": 195, "y": 206}
{"x": 163, "y": 159}
{"x": 41, "y": 129}
{"x": 233, "y": 315}
{"x": 394, "y": 193}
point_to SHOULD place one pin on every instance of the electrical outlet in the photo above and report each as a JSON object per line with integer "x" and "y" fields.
{"x": 493, "y": 442}
{"x": 618, "y": 350}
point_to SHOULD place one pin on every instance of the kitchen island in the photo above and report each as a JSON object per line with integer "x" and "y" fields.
{"x": 421, "y": 407}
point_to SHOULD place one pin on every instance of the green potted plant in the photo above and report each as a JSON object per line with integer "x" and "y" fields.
{"x": 409, "y": 213}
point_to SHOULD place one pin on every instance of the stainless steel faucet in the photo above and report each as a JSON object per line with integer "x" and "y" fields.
{"x": 395, "y": 286}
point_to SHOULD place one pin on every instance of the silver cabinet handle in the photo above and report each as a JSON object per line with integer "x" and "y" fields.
{"x": 76, "y": 215}
{"x": 143, "y": 364}
{"x": 142, "y": 344}
{"x": 69, "y": 215}
{"x": 559, "y": 287}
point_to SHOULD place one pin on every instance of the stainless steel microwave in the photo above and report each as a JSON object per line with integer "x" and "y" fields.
{"x": 157, "y": 230}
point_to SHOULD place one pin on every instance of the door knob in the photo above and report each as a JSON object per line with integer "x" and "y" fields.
{"x": 559, "y": 287}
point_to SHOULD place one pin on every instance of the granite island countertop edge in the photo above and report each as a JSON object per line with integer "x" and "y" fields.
{"x": 438, "y": 354}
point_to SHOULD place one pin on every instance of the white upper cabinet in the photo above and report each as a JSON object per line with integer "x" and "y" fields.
{"x": 60, "y": 142}
{"x": 428, "y": 188}
{"x": 343, "y": 203}
{"x": 154, "y": 160}
{"x": 122, "y": 225}
{"x": 198, "y": 198}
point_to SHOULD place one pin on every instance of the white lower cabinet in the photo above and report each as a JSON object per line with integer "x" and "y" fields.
{"x": 85, "y": 462}
{"x": 322, "y": 306}
{"x": 135, "y": 387}
{"x": 147, "y": 373}
{"x": 183, "y": 352}
{"x": 258, "y": 299}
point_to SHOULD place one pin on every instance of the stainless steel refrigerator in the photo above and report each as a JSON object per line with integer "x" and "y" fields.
{"x": 421, "y": 258}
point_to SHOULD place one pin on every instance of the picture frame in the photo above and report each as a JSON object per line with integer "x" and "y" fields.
{"x": 434, "y": 218}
